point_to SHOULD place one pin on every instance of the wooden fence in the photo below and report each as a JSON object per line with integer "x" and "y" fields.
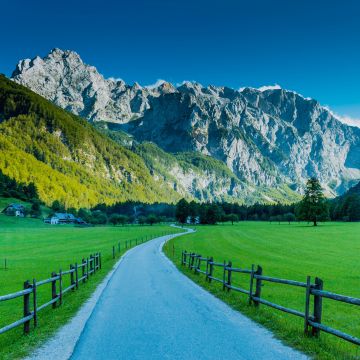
{"x": 78, "y": 273}
{"x": 312, "y": 321}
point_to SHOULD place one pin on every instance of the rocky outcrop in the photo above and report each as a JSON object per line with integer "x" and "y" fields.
{"x": 267, "y": 137}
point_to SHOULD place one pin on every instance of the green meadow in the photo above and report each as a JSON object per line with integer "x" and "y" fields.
{"x": 330, "y": 251}
{"x": 33, "y": 250}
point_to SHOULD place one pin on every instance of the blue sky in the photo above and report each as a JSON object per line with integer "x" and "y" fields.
{"x": 311, "y": 47}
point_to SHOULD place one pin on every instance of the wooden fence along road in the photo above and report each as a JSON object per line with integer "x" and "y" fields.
{"x": 86, "y": 268}
{"x": 79, "y": 273}
{"x": 197, "y": 263}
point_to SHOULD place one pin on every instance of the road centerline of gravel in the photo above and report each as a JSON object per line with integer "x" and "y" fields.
{"x": 149, "y": 310}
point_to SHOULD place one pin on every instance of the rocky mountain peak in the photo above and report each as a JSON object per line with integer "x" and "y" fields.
{"x": 267, "y": 136}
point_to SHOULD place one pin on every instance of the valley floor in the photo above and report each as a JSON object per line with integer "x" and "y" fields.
{"x": 151, "y": 311}
{"x": 33, "y": 249}
{"x": 329, "y": 251}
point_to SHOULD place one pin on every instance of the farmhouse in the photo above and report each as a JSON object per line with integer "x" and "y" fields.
{"x": 63, "y": 218}
{"x": 193, "y": 220}
{"x": 15, "y": 210}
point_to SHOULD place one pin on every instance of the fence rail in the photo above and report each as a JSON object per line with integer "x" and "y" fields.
{"x": 91, "y": 264}
{"x": 78, "y": 274}
{"x": 256, "y": 278}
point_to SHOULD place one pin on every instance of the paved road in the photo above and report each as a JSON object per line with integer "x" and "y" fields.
{"x": 149, "y": 310}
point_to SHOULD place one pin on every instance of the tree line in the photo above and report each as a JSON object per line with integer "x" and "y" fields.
{"x": 122, "y": 213}
{"x": 314, "y": 207}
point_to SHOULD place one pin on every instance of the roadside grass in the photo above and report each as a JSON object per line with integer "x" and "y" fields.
{"x": 329, "y": 251}
{"x": 34, "y": 250}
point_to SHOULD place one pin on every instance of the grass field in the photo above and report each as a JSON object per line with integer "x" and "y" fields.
{"x": 330, "y": 251}
{"x": 34, "y": 250}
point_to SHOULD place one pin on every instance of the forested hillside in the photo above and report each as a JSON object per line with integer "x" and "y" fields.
{"x": 347, "y": 206}
{"x": 66, "y": 157}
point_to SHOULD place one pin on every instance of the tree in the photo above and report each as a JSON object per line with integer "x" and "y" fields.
{"x": 289, "y": 217}
{"x": 210, "y": 214}
{"x": 84, "y": 214}
{"x": 141, "y": 220}
{"x": 231, "y": 217}
{"x": 193, "y": 211}
{"x": 98, "y": 217}
{"x": 182, "y": 211}
{"x": 152, "y": 219}
{"x": 123, "y": 219}
{"x": 35, "y": 209}
{"x": 114, "y": 219}
{"x": 313, "y": 207}
{"x": 57, "y": 206}
{"x": 354, "y": 208}
{"x": 31, "y": 191}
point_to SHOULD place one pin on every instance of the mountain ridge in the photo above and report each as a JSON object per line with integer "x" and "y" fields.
{"x": 269, "y": 137}
{"x": 66, "y": 157}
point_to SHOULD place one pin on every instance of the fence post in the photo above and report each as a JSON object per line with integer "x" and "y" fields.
{"x": 184, "y": 262}
{"x": 72, "y": 277}
{"x": 113, "y": 249}
{"x": 197, "y": 267}
{"x": 207, "y": 269}
{"x": 258, "y": 286}
{"x": 53, "y": 289}
{"x": 119, "y": 246}
{"x": 224, "y": 275}
{"x": 83, "y": 270}
{"x": 251, "y": 284}
{"x": 211, "y": 260}
{"x": 229, "y": 276}
{"x": 91, "y": 265}
{"x": 307, "y": 305}
{"x": 76, "y": 276}
{"x": 87, "y": 268}
{"x": 60, "y": 286}
{"x": 27, "y": 311}
{"x": 317, "y": 307}
{"x": 192, "y": 260}
{"x": 34, "y": 302}
{"x": 100, "y": 260}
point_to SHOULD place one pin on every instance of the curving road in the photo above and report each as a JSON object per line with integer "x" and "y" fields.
{"x": 149, "y": 310}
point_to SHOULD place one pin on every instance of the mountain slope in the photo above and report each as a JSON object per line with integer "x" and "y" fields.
{"x": 347, "y": 206}
{"x": 66, "y": 157}
{"x": 271, "y": 138}
{"x": 205, "y": 178}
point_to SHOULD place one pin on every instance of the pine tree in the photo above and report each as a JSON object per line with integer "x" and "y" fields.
{"x": 182, "y": 211}
{"x": 313, "y": 206}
